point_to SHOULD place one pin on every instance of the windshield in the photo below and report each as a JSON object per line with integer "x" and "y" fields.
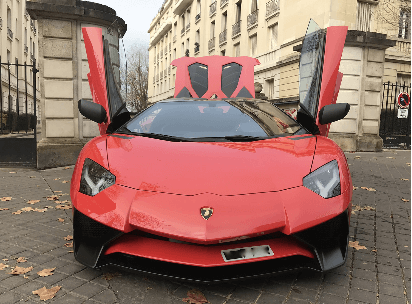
{"x": 201, "y": 119}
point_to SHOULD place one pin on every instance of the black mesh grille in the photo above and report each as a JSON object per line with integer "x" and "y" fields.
{"x": 199, "y": 78}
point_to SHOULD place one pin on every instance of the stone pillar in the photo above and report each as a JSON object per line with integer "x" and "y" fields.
{"x": 362, "y": 66}
{"x": 63, "y": 74}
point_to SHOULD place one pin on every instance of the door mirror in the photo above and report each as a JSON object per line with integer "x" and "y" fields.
{"x": 92, "y": 111}
{"x": 333, "y": 112}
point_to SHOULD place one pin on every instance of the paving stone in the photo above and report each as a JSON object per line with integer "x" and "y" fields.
{"x": 362, "y": 295}
{"x": 391, "y": 290}
{"x": 270, "y": 298}
{"x": 326, "y": 298}
{"x": 71, "y": 283}
{"x": 106, "y": 296}
{"x": 88, "y": 290}
{"x": 13, "y": 282}
{"x": 338, "y": 290}
{"x": 364, "y": 284}
{"x": 245, "y": 294}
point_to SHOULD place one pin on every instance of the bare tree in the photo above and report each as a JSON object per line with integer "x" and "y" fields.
{"x": 395, "y": 14}
{"x": 136, "y": 79}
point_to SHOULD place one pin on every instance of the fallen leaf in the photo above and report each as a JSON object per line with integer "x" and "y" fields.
{"x": 60, "y": 220}
{"x": 69, "y": 245}
{"x": 371, "y": 189}
{"x": 65, "y": 182}
{"x": 21, "y": 260}
{"x": 65, "y": 202}
{"x": 71, "y": 251}
{"x": 32, "y": 202}
{"x": 356, "y": 245}
{"x": 12, "y": 172}
{"x": 195, "y": 296}
{"x": 405, "y": 200}
{"x": 364, "y": 188}
{"x": 404, "y": 179}
{"x": 52, "y": 198}
{"x": 357, "y": 157}
{"x": 40, "y": 210}
{"x": 374, "y": 250}
{"x": 26, "y": 277}
{"x": 5, "y": 199}
{"x": 409, "y": 164}
{"x": 354, "y": 188}
{"x": 46, "y": 272}
{"x": 3, "y": 209}
{"x": 68, "y": 238}
{"x": 21, "y": 270}
{"x": 2, "y": 266}
{"x": 66, "y": 168}
{"x": 110, "y": 276}
{"x": 63, "y": 207}
{"x": 57, "y": 191}
{"x": 32, "y": 176}
{"x": 18, "y": 212}
{"x": 390, "y": 157}
{"x": 57, "y": 178}
{"x": 46, "y": 294}
{"x": 359, "y": 208}
{"x": 27, "y": 209}
{"x": 5, "y": 260}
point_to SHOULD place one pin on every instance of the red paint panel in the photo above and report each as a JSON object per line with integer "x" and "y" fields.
{"x": 335, "y": 40}
{"x": 202, "y": 256}
{"x": 215, "y": 64}
{"x": 222, "y": 168}
{"x": 97, "y": 78}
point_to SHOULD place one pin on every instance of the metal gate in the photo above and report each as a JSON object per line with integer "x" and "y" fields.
{"x": 18, "y": 117}
{"x": 395, "y": 132}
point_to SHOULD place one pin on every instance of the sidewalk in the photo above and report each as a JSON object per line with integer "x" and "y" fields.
{"x": 379, "y": 274}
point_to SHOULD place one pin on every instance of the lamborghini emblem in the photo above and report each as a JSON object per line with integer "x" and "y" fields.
{"x": 206, "y": 213}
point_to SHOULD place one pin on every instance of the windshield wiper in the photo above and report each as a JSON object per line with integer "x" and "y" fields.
{"x": 160, "y": 136}
{"x": 244, "y": 137}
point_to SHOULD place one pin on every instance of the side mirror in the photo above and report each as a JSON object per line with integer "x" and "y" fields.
{"x": 333, "y": 112}
{"x": 92, "y": 111}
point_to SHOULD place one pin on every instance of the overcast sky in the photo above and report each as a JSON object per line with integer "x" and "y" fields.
{"x": 138, "y": 15}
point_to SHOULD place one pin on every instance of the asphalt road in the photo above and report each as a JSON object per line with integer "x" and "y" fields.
{"x": 381, "y": 273}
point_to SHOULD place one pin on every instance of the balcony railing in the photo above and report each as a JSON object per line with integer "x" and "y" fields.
{"x": 174, "y": 38}
{"x": 165, "y": 49}
{"x": 1, "y": 23}
{"x": 161, "y": 75}
{"x": 223, "y": 2}
{"x": 197, "y": 48}
{"x": 154, "y": 79}
{"x": 157, "y": 56}
{"x": 212, "y": 8}
{"x": 211, "y": 44}
{"x": 252, "y": 19}
{"x": 188, "y": 27}
{"x": 182, "y": 31}
{"x": 26, "y": 48}
{"x": 157, "y": 77}
{"x": 32, "y": 57}
{"x": 197, "y": 17}
{"x": 223, "y": 37}
{"x": 9, "y": 33}
{"x": 404, "y": 47}
{"x": 272, "y": 7}
{"x": 236, "y": 28}
{"x": 165, "y": 72}
{"x": 26, "y": 15}
{"x": 169, "y": 70}
{"x": 170, "y": 46}
{"x": 161, "y": 54}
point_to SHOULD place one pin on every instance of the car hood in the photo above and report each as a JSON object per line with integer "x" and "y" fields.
{"x": 222, "y": 168}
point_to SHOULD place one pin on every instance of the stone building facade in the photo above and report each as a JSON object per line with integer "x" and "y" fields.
{"x": 63, "y": 73}
{"x": 271, "y": 30}
{"x": 18, "y": 44}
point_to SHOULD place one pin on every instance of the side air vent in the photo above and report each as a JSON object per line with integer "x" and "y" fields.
{"x": 244, "y": 93}
{"x": 230, "y": 78}
{"x": 184, "y": 93}
{"x": 199, "y": 78}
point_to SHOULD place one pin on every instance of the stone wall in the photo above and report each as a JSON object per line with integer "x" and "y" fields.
{"x": 63, "y": 74}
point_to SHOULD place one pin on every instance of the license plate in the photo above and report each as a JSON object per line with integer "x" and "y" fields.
{"x": 246, "y": 253}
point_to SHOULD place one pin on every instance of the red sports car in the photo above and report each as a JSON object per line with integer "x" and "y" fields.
{"x": 214, "y": 184}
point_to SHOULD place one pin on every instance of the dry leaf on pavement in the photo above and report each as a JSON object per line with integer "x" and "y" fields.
{"x": 18, "y": 212}
{"x": 46, "y": 294}
{"x": 27, "y": 209}
{"x": 40, "y": 210}
{"x": 57, "y": 191}
{"x": 357, "y": 157}
{"x": 5, "y": 199}
{"x": 356, "y": 245}
{"x": 66, "y": 168}
{"x": 46, "y": 272}
{"x": 69, "y": 245}
{"x": 57, "y": 178}
{"x": 405, "y": 200}
{"x": 12, "y": 172}
{"x": 3, "y": 209}
{"x": 409, "y": 164}
{"x": 2, "y": 266}
{"x": 63, "y": 207}
{"x": 109, "y": 276}
{"x": 65, "y": 182}
{"x": 195, "y": 296}
{"x": 32, "y": 202}
{"x": 21, "y": 270}
{"x": 68, "y": 238}
{"x": 52, "y": 198}
{"x": 21, "y": 260}
{"x": 404, "y": 179}
{"x": 354, "y": 188}
{"x": 60, "y": 220}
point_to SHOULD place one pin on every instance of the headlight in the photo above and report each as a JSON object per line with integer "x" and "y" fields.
{"x": 324, "y": 181}
{"x": 95, "y": 178}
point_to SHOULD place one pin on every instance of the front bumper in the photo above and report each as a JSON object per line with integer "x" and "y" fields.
{"x": 322, "y": 247}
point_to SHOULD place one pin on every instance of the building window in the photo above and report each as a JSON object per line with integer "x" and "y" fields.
{"x": 222, "y": 52}
{"x": 183, "y": 49}
{"x": 198, "y": 10}
{"x": 270, "y": 88}
{"x": 253, "y": 45}
{"x": 363, "y": 22}
{"x": 404, "y": 25}
{"x": 273, "y": 36}
{"x": 212, "y": 30}
{"x": 238, "y": 11}
{"x": 174, "y": 54}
